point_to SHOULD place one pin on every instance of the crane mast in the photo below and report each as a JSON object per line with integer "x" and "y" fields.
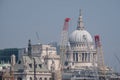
{"x": 93, "y": 58}
{"x": 100, "y": 58}
{"x": 64, "y": 41}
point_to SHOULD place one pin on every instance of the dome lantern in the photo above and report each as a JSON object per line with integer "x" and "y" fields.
{"x": 80, "y": 25}
{"x": 77, "y": 36}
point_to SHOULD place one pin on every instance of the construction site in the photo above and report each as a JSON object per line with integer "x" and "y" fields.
{"x": 80, "y": 58}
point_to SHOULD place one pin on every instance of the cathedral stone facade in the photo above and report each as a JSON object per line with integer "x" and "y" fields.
{"x": 83, "y": 52}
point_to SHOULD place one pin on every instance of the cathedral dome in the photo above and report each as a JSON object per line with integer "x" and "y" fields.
{"x": 78, "y": 36}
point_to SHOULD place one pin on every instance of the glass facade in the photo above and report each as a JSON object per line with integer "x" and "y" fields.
{"x": 5, "y": 54}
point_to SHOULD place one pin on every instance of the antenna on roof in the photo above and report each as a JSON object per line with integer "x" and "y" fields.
{"x": 38, "y": 38}
{"x": 80, "y": 13}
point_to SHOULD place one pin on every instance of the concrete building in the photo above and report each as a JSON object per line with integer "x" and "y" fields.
{"x": 46, "y": 53}
{"x": 37, "y": 61}
{"x": 48, "y": 56}
{"x": 40, "y": 50}
{"x": 30, "y": 67}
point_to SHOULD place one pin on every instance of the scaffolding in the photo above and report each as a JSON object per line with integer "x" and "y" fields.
{"x": 64, "y": 41}
{"x": 100, "y": 58}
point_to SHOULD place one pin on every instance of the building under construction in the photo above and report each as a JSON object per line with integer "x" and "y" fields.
{"x": 82, "y": 56}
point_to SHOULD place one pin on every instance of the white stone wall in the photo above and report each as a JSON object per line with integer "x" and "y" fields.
{"x": 29, "y": 75}
{"x": 86, "y": 54}
{"x": 53, "y": 62}
{"x": 48, "y": 54}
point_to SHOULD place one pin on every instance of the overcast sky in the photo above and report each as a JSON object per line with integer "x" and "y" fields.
{"x": 21, "y": 19}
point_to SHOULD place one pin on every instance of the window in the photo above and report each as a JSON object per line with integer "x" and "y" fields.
{"x": 82, "y": 56}
{"x": 30, "y": 78}
{"x": 77, "y": 57}
{"x": 85, "y": 56}
{"x": 40, "y": 65}
{"x": 30, "y": 65}
{"x": 3, "y": 67}
{"x": 40, "y": 78}
{"x": 45, "y": 78}
{"x": 73, "y": 56}
{"x": 19, "y": 78}
{"x": 19, "y": 62}
{"x": 50, "y": 78}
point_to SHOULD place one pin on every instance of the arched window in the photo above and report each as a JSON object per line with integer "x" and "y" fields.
{"x": 45, "y": 78}
{"x": 19, "y": 78}
{"x": 30, "y": 78}
{"x": 40, "y": 78}
{"x": 50, "y": 78}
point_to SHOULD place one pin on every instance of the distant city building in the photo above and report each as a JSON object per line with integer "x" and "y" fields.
{"x": 42, "y": 62}
{"x": 30, "y": 67}
{"x": 5, "y": 54}
{"x": 5, "y": 66}
{"x": 81, "y": 57}
{"x": 55, "y": 44}
{"x": 37, "y": 61}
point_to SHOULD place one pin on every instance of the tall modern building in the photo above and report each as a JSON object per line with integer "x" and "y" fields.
{"x": 5, "y": 54}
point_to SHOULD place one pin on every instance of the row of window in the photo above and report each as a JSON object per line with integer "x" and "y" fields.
{"x": 81, "y": 44}
{"x": 46, "y": 49}
{"x": 19, "y": 78}
{"x": 40, "y": 78}
{"x": 84, "y": 57}
{"x": 36, "y": 65}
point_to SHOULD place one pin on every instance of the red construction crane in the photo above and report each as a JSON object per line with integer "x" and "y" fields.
{"x": 64, "y": 40}
{"x": 66, "y": 24}
{"x": 100, "y": 57}
{"x": 99, "y": 51}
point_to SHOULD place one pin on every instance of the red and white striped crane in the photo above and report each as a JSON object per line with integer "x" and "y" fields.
{"x": 64, "y": 40}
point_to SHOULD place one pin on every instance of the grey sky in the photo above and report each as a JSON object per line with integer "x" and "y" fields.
{"x": 21, "y": 19}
